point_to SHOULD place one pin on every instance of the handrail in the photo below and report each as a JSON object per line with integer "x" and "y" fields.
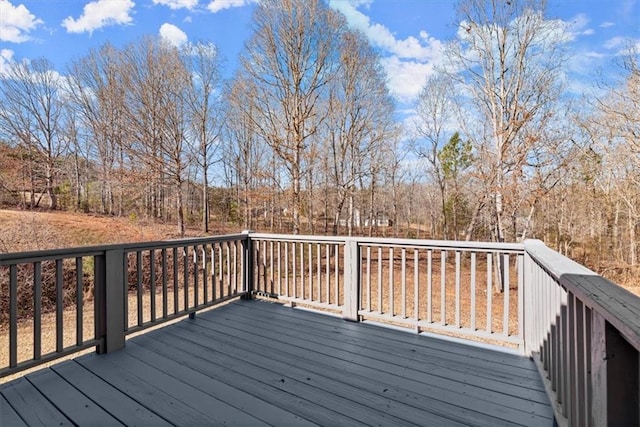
{"x": 52, "y": 254}
{"x": 123, "y": 288}
{"x": 583, "y": 331}
{"x": 420, "y": 285}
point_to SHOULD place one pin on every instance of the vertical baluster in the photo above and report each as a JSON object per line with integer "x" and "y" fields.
{"x": 227, "y": 251}
{"x": 473, "y": 291}
{"x": 506, "y": 294}
{"x": 489, "y": 292}
{"x": 286, "y": 268}
{"x": 271, "y": 266}
{"x": 79, "y": 301}
{"x": 443, "y": 287}
{"x": 152, "y": 286}
{"x": 235, "y": 267}
{"x": 205, "y": 274}
{"x": 327, "y": 273}
{"x": 279, "y": 268}
{"x": 37, "y": 310}
{"x": 165, "y": 292}
{"x": 369, "y": 278}
{"x": 59, "y": 307}
{"x": 430, "y": 286}
{"x": 379, "y": 280}
{"x": 139, "y": 286}
{"x": 520, "y": 274}
{"x": 310, "y": 279}
{"x": 217, "y": 293}
{"x": 337, "y": 280}
{"x": 391, "y": 290}
{"x": 294, "y": 271}
{"x": 185, "y": 264}
{"x": 319, "y": 270}
{"x": 196, "y": 284}
{"x": 175, "y": 281}
{"x": 302, "y": 281}
{"x": 221, "y": 271}
{"x": 457, "y": 289}
{"x": 416, "y": 285}
{"x": 586, "y": 354}
{"x": 404, "y": 283}
{"x": 13, "y": 315}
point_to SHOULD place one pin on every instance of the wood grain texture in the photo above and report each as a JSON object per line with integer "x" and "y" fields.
{"x": 259, "y": 363}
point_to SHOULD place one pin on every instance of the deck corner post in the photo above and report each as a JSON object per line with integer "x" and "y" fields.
{"x": 351, "y": 280}
{"x": 247, "y": 265}
{"x": 110, "y": 294}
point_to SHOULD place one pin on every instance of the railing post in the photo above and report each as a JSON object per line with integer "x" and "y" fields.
{"x": 351, "y": 280}
{"x": 110, "y": 295}
{"x": 247, "y": 265}
{"x": 614, "y": 378}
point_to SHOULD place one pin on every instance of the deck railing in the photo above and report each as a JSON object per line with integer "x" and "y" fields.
{"x": 101, "y": 294}
{"x": 582, "y": 330}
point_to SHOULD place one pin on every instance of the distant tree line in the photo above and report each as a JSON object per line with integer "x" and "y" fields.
{"x": 305, "y": 139}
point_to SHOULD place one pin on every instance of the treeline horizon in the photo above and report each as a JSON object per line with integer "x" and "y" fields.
{"x": 304, "y": 137}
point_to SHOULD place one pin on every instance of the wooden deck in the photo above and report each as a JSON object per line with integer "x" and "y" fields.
{"x": 255, "y": 362}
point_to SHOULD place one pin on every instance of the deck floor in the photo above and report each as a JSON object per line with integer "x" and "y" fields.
{"x": 257, "y": 363}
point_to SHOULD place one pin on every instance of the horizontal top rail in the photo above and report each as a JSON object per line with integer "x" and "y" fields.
{"x": 615, "y": 304}
{"x": 297, "y": 238}
{"x": 384, "y": 241}
{"x": 53, "y": 254}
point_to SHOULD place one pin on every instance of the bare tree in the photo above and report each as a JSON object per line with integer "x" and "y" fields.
{"x": 435, "y": 111}
{"x": 360, "y": 119}
{"x": 508, "y": 59}
{"x": 288, "y": 62}
{"x": 31, "y": 114}
{"x": 157, "y": 85}
{"x": 203, "y": 62}
{"x": 98, "y": 96}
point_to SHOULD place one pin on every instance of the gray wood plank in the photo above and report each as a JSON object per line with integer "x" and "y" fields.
{"x": 76, "y": 406}
{"x": 216, "y": 411}
{"x": 204, "y": 361}
{"x": 112, "y": 400}
{"x": 477, "y": 353}
{"x": 156, "y": 400}
{"x": 8, "y": 416}
{"x": 345, "y": 375}
{"x": 239, "y": 399}
{"x": 32, "y": 406}
{"x": 500, "y": 405}
{"x": 341, "y": 399}
{"x": 507, "y": 379}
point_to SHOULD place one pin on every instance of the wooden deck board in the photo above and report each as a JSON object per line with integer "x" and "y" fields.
{"x": 258, "y": 363}
{"x": 403, "y": 353}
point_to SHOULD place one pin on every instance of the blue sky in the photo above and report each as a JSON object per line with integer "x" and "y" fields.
{"x": 407, "y": 33}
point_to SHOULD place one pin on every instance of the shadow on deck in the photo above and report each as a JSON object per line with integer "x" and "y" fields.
{"x": 255, "y": 362}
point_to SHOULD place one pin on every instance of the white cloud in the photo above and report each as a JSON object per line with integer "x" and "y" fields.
{"x": 173, "y": 34}
{"x": 615, "y": 42}
{"x": 100, "y": 13}
{"x": 406, "y": 77}
{"x": 16, "y": 22}
{"x": 218, "y": 5}
{"x": 607, "y": 24}
{"x": 407, "y": 62}
{"x": 177, "y": 4}
{"x": 578, "y": 26}
{"x": 6, "y": 58}
{"x": 380, "y": 36}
